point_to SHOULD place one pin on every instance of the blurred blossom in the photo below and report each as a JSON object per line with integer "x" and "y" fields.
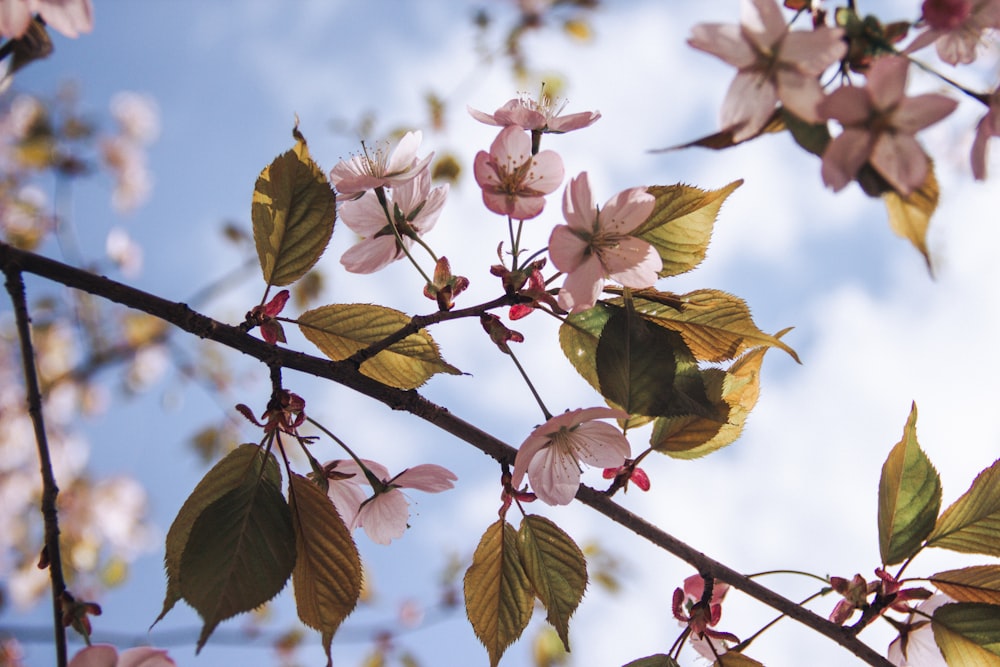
{"x": 957, "y": 28}
{"x": 133, "y": 182}
{"x": 105, "y": 655}
{"x": 138, "y": 116}
{"x": 147, "y": 367}
{"x": 69, "y": 17}
{"x": 124, "y": 252}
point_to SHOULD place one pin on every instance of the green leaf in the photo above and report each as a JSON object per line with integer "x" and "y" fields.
{"x": 736, "y": 660}
{"x": 715, "y": 325}
{"x": 972, "y": 523}
{"x": 239, "y": 554}
{"x": 734, "y": 394}
{"x": 979, "y": 583}
{"x": 327, "y": 575}
{"x": 812, "y": 137}
{"x": 242, "y": 466}
{"x": 910, "y": 216}
{"x": 968, "y": 634}
{"x": 340, "y": 330}
{"x": 658, "y": 660}
{"x": 498, "y": 594}
{"x": 293, "y": 213}
{"x": 680, "y": 226}
{"x": 578, "y": 337}
{"x": 556, "y": 569}
{"x": 909, "y": 497}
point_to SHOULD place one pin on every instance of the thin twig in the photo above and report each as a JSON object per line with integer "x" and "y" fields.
{"x": 15, "y": 287}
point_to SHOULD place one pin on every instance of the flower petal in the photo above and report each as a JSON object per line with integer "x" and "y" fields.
{"x": 763, "y": 22}
{"x": 844, "y": 156}
{"x": 70, "y": 17}
{"x": 582, "y": 286}
{"x": 724, "y": 40}
{"x": 144, "y": 656}
{"x": 915, "y": 113}
{"x": 800, "y": 93}
{"x": 626, "y": 211}
{"x": 813, "y": 51}
{"x": 364, "y": 215}
{"x": 384, "y": 517}
{"x": 546, "y": 172}
{"x": 887, "y": 81}
{"x": 566, "y": 249}
{"x": 749, "y": 104}
{"x": 634, "y": 263}
{"x": 579, "y": 209}
{"x": 426, "y": 477}
{"x": 555, "y": 475}
{"x": 901, "y": 161}
{"x": 850, "y": 105}
{"x": 371, "y": 255}
{"x": 97, "y": 655}
{"x": 600, "y": 444}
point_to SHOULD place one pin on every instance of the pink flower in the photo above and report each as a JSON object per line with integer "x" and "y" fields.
{"x": 879, "y": 123}
{"x": 379, "y": 169}
{"x": 542, "y": 115}
{"x": 956, "y": 28}
{"x": 383, "y": 515}
{"x": 989, "y": 126}
{"x": 596, "y": 244}
{"x": 774, "y": 65}
{"x": 70, "y": 17}
{"x": 552, "y": 454}
{"x": 105, "y": 655}
{"x": 514, "y": 181}
{"x": 915, "y": 644}
{"x": 701, "y": 615}
{"x": 414, "y": 208}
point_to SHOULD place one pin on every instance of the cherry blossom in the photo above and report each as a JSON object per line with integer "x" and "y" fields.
{"x": 377, "y": 168}
{"x": 774, "y": 65}
{"x": 915, "y": 646}
{"x": 542, "y": 115}
{"x": 383, "y": 515}
{"x": 701, "y": 616}
{"x": 552, "y": 454}
{"x": 70, "y": 17}
{"x": 956, "y": 28}
{"x": 879, "y": 122}
{"x": 414, "y": 208}
{"x": 105, "y": 655}
{"x": 514, "y": 181}
{"x": 596, "y": 244}
{"x": 989, "y": 126}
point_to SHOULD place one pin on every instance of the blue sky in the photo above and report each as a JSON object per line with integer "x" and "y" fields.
{"x": 797, "y": 491}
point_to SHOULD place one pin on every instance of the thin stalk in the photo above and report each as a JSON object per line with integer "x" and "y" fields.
{"x": 527, "y": 380}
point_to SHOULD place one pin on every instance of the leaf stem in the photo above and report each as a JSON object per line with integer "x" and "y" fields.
{"x": 527, "y": 380}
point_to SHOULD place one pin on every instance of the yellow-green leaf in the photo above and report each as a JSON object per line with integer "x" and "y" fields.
{"x": 340, "y": 330}
{"x": 556, "y": 569}
{"x": 734, "y": 393}
{"x": 498, "y": 594}
{"x": 972, "y": 523}
{"x": 680, "y": 226}
{"x": 293, "y": 213}
{"x": 909, "y": 497}
{"x": 239, "y": 554}
{"x": 715, "y": 325}
{"x": 979, "y": 583}
{"x": 658, "y": 660}
{"x": 968, "y": 634}
{"x": 242, "y": 466}
{"x": 327, "y": 574}
{"x": 910, "y": 216}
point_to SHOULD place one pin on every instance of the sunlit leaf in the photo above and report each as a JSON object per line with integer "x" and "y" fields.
{"x": 979, "y": 583}
{"x": 910, "y": 216}
{"x": 645, "y": 369}
{"x": 734, "y": 393}
{"x": 968, "y": 634}
{"x": 972, "y": 523}
{"x": 556, "y": 569}
{"x": 239, "y": 554}
{"x": 909, "y": 497}
{"x": 658, "y": 660}
{"x": 327, "y": 575}
{"x": 240, "y": 467}
{"x": 680, "y": 226}
{"x": 340, "y": 330}
{"x": 578, "y": 337}
{"x": 498, "y": 594}
{"x": 293, "y": 213}
{"x": 715, "y": 325}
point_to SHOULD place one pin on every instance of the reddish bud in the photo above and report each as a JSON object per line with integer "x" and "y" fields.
{"x": 499, "y": 333}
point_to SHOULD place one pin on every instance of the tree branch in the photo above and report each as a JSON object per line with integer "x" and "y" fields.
{"x": 346, "y": 374}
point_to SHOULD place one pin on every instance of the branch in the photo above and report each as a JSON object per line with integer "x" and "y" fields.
{"x": 50, "y": 491}
{"x": 347, "y": 374}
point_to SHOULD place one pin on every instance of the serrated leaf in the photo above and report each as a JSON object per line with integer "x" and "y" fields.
{"x": 340, "y": 330}
{"x": 556, "y": 569}
{"x": 658, "y": 660}
{"x": 979, "y": 583}
{"x": 734, "y": 394}
{"x": 239, "y": 554}
{"x": 909, "y": 497}
{"x": 968, "y": 634}
{"x": 910, "y": 216}
{"x": 498, "y": 594}
{"x": 647, "y": 370}
{"x": 327, "y": 575}
{"x": 972, "y": 523}
{"x": 715, "y": 325}
{"x": 239, "y": 467}
{"x": 294, "y": 210}
{"x": 680, "y": 226}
